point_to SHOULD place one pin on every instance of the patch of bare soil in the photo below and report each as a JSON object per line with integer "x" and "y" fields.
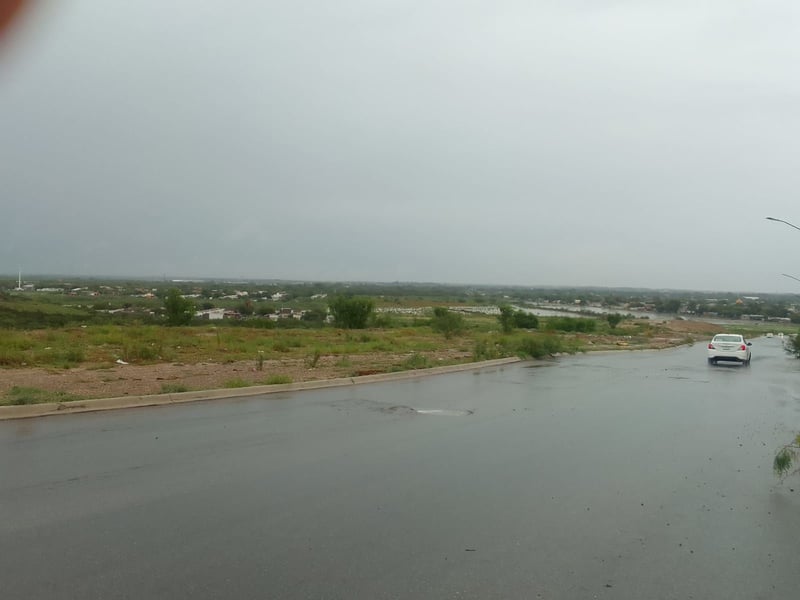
{"x": 665, "y": 334}
{"x": 135, "y": 380}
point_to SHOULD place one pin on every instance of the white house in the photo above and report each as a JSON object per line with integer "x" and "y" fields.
{"x": 212, "y": 314}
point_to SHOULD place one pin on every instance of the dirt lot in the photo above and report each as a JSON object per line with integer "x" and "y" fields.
{"x": 123, "y": 380}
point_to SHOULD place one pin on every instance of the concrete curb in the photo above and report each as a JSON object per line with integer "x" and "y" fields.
{"x": 28, "y": 411}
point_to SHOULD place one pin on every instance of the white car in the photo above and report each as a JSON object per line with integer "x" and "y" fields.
{"x": 730, "y": 347}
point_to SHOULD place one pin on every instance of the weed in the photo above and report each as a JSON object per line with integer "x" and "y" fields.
{"x": 236, "y": 382}
{"x": 277, "y": 379}
{"x": 785, "y": 458}
{"x": 173, "y": 388}
{"x": 416, "y": 361}
{"x": 313, "y": 359}
{"x": 484, "y": 350}
{"x": 18, "y": 396}
{"x": 11, "y": 358}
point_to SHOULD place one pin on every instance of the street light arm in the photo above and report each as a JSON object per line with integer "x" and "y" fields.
{"x": 782, "y": 221}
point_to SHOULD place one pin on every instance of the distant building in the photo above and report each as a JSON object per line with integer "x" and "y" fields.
{"x": 211, "y": 314}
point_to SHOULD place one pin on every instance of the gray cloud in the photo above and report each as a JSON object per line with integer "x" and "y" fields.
{"x": 578, "y": 143}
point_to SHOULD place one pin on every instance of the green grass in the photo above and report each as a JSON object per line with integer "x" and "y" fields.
{"x": 344, "y": 361}
{"x": 277, "y": 379}
{"x": 173, "y": 388}
{"x": 18, "y": 396}
{"x": 236, "y": 382}
{"x": 524, "y": 345}
{"x": 416, "y": 361}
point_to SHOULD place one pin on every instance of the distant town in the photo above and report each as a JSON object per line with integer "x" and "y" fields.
{"x": 280, "y": 301}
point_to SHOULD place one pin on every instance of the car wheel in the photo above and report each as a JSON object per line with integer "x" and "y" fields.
{"x": 711, "y": 361}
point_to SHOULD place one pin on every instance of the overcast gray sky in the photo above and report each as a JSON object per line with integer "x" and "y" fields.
{"x": 597, "y": 142}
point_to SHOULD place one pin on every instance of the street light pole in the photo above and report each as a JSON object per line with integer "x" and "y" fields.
{"x": 782, "y": 221}
{"x": 790, "y": 225}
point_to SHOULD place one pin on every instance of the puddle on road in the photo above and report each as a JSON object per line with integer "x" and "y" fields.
{"x": 407, "y": 410}
{"x": 398, "y": 409}
{"x": 446, "y": 413}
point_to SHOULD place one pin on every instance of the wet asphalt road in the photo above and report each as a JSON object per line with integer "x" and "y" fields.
{"x": 625, "y": 476}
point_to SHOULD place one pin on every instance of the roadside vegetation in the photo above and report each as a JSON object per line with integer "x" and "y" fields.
{"x": 27, "y": 395}
{"x": 356, "y": 329}
{"x": 786, "y": 458}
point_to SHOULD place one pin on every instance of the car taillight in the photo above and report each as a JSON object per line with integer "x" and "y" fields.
{"x": 711, "y": 346}
{"x": 742, "y": 347}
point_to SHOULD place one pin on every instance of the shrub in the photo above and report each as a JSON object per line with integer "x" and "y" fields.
{"x": 350, "y": 312}
{"x": 313, "y": 358}
{"x": 510, "y": 319}
{"x": 132, "y": 352}
{"x": 489, "y": 349}
{"x": 571, "y": 324}
{"x": 382, "y": 321}
{"x": 793, "y": 345}
{"x": 539, "y": 346}
{"x": 416, "y": 361}
{"x": 525, "y": 320}
{"x": 447, "y": 322}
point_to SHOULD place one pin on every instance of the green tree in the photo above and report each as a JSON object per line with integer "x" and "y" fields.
{"x": 613, "y": 319}
{"x": 314, "y": 315}
{"x": 179, "y": 310}
{"x": 447, "y": 322}
{"x": 671, "y": 305}
{"x": 510, "y": 318}
{"x": 350, "y": 312}
{"x": 246, "y": 308}
{"x": 506, "y": 318}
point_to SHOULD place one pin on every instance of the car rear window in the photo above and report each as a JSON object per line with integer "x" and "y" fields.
{"x": 727, "y": 338}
